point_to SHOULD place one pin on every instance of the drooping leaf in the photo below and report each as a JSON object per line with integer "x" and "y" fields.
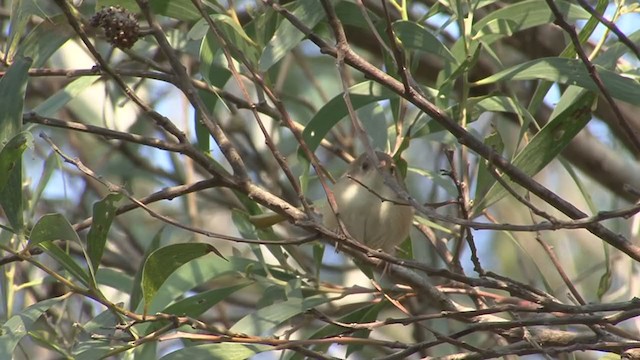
{"x": 104, "y": 211}
{"x": 13, "y": 86}
{"x": 546, "y": 144}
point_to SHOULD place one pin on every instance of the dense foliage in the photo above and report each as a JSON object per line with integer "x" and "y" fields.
{"x": 147, "y": 145}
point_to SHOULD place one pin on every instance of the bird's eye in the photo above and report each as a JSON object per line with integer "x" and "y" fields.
{"x": 365, "y": 166}
{"x": 392, "y": 169}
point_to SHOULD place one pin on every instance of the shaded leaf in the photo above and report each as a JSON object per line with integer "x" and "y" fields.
{"x": 417, "y": 37}
{"x": 136, "y": 290}
{"x": 226, "y": 351}
{"x": 196, "y": 305}
{"x": 546, "y": 144}
{"x": 263, "y": 320}
{"x": 58, "y": 100}
{"x": 523, "y": 15}
{"x": 288, "y": 36}
{"x": 569, "y": 72}
{"x": 164, "y": 261}
{"x": 89, "y": 346}
{"x": 13, "y": 86}
{"x": 14, "y": 329}
{"x": 177, "y": 9}
{"x": 332, "y": 112}
{"x": 11, "y": 155}
{"x": 45, "y": 39}
{"x": 52, "y": 227}
{"x": 104, "y": 211}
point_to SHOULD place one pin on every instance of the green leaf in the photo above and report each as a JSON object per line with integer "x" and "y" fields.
{"x": 523, "y": 15}
{"x": 177, "y": 9}
{"x": 88, "y": 345}
{"x": 264, "y": 320}
{"x": 115, "y": 279}
{"x": 365, "y": 314}
{"x": 331, "y": 113}
{"x": 569, "y": 72}
{"x": 288, "y": 36}
{"x": 417, "y": 37}
{"x": 11, "y": 155}
{"x": 225, "y": 351}
{"x": 47, "y": 171}
{"x": 196, "y": 305}
{"x": 67, "y": 262}
{"x": 238, "y": 42}
{"x": 20, "y": 324}
{"x": 247, "y": 230}
{"x": 52, "y": 227}
{"x": 485, "y": 179}
{"x": 164, "y": 261}
{"x": 12, "y": 91}
{"x": 546, "y": 144}
{"x": 104, "y": 211}
{"x": 45, "y": 39}
{"x": 21, "y": 11}
{"x": 58, "y": 100}
{"x": 136, "y": 290}
{"x": 202, "y": 270}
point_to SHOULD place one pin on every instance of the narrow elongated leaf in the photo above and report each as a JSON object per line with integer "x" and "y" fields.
{"x": 365, "y": 314}
{"x": 47, "y": 171}
{"x": 570, "y": 72}
{"x": 267, "y": 318}
{"x": 546, "y": 144}
{"x": 52, "y": 227}
{"x": 523, "y": 15}
{"x": 288, "y": 36}
{"x": 164, "y": 261}
{"x": 45, "y": 39}
{"x": 331, "y": 113}
{"x": 104, "y": 211}
{"x": 12, "y": 90}
{"x": 56, "y": 101}
{"x": 11, "y": 155}
{"x": 20, "y": 324}
{"x": 93, "y": 337}
{"x": 196, "y": 305}
{"x": 217, "y": 351}
{"x": 177, "y": 9}
{"x": 238, "y": 42}
{"x": 136, "y": 290}
{"x": 67, "y": 262}
{"x": 417, "y": 37}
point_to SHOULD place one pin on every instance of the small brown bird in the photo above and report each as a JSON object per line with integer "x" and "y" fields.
{"x": 371, "y": 211}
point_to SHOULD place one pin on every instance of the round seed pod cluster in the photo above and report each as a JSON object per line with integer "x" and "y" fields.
{"x": 120, "y": 26}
